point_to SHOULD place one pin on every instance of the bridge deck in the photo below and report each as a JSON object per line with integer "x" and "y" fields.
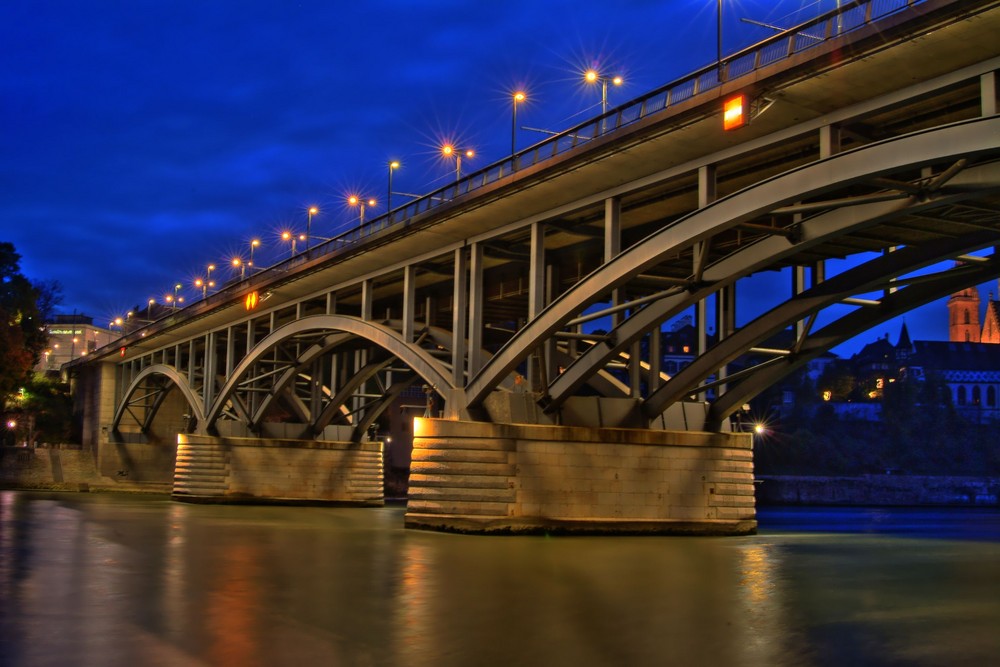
{"x": 652, "y": 166}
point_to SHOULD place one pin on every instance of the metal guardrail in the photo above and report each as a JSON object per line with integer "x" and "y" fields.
{"x": 830, "y": 25}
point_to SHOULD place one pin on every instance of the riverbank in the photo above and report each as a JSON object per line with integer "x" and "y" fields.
{"x": 66, "y": 468}
{"x": 63, "y": 468}
{"x": 879, "y": 490}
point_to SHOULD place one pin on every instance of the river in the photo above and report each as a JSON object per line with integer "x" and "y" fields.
{"x": 115, "y": 580}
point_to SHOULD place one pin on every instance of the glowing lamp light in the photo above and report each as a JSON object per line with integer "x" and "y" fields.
{"x": 251, "y": 300}
{"x": 735, "y": 113}
{"x": 759, "y": 429}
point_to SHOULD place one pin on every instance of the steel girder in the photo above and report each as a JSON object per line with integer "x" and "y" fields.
{"x": 754, "y": 257}
{"x": 968, "y": 139}
{"x": 344, "y": 328}
{"x": 153, "y": 373}
{"x": 858, "y": 321}
{"x": 871, "y": 276}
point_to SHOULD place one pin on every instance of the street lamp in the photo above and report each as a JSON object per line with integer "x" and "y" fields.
{"x": 177, "y": 288}
{"x": 309, "y": 223}
{"x": 718, "y": 39}
{"x": 518, "y": 97}
{"x": 289, "y": 236}
{"x": 450, "y": 151}
{"x": 388, "y": 195}
{"x": 253, "y": 244}
{"x": 354, "y": 200}
{"x": 203, "y": 284}
{"x": 239, "y": 264}
{"x": 592, "y": 76}
{"x": 149, "y": 310}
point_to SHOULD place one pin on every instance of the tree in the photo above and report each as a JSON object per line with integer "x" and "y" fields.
{"x": 23, "y": 309}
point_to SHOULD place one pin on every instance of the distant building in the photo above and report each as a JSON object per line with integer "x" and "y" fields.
{"x": 70, "y": 337}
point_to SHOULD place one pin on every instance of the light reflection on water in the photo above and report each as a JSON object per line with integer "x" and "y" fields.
{"x": 88, "y": 579}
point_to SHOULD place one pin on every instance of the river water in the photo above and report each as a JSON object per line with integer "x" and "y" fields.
{"x": 109, "y": 580}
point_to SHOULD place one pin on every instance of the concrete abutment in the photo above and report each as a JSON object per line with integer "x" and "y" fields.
{"x": 518, "y": 478}
{"x": 230, "y": 469}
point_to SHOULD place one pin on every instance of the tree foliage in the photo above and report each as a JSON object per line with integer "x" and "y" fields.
{"x": 24, "y": 306}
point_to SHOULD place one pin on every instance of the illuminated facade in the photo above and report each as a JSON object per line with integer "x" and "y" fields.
{"x": 70, "y": 337}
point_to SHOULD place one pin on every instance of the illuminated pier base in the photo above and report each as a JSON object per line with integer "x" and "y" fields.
{"x": 519, "y": 478}
{"x": 229, "y": 469}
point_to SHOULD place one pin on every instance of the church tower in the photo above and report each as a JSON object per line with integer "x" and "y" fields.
{"x": 963, "y": 316}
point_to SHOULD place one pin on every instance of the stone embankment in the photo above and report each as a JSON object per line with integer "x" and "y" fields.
{"x": 63, "y": 468}
{"x": 879, "y": 490}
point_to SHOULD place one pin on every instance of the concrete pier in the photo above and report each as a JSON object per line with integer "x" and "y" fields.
{"x": 216, "y": 469}
{"x": 519, "y": 478}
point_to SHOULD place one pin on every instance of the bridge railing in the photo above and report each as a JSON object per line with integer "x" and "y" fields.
{"x": 850, "y": 16}
{"x": 832, "y": 24}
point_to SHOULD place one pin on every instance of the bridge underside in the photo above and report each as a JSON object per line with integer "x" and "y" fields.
{"x": 541, "y": 297}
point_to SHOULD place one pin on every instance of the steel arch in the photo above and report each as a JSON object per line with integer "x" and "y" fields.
{"x": 950, "y": 142}
{"x": 753, "y": 257}
{"x": 175, "y": 376}
{"x": 417, "y": 359}
{"x": 852, "y": 324}
{"x": 867, "y": 277}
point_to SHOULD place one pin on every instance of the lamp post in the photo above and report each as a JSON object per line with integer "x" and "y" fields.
{"x": 177, "y": 288}
{"x": 393, "y": 165}
{"x": 203, "y": 284}
{"x": 354, "y": 200}
{"x": 450, "y": 151}
{"x": 592, "y": 76}
{"x": 208, "y": 276}
{"x": 718, "y": 39}
{"x": 239, "y": 264}
{"x": 253, "y": 244}
{"x": 289, "y": 236}
{"x": 149, "y": 310}
{"x": 518, "y": 97}
{"x": 309, "y": 223}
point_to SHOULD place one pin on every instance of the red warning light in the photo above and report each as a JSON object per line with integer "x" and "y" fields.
{"x": 735, "y": 112}
{"x": 251, "y": 301}
{"x": 122, "y": 352}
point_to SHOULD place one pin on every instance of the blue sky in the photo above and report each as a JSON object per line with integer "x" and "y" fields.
{"x": 144, "y": 139}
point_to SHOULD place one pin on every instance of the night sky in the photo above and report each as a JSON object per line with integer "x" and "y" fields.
{"x": 142, "y": 140}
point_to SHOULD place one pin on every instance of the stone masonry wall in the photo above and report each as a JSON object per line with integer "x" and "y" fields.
{"x": 267, "y": 469}
{"x": 526, "y": 478}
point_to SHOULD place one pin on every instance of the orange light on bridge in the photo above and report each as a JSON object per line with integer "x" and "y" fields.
{"x": 251, "y": 301}
{"x": 735, "y": 112}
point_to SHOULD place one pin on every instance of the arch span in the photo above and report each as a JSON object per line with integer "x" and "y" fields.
{"x": 417, "y": 359}
{"x": 172, "y": 374}
{"x": 967, "y": 139}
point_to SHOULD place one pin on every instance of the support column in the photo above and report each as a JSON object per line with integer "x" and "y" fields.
{"x": 409, "y": 301}
{"x": 613, "y": 244}
{"x": 655, "y": 359}
{"x": 459, "y": 315}
{"x": 367, "y": 299}
{"x": 707, "y": 193}
{"x": 211, "y": 365}
{"x": 988, "y": 93}
{"x": 476, "y": 296}
{"x": 829, "y": 141}
{"x": 798, "y": 287}
{"x": 537, "y": 377}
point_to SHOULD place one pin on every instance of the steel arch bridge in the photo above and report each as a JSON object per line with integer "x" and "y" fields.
{"x": 294, "y": 365}
{"x": 553, "y": 279}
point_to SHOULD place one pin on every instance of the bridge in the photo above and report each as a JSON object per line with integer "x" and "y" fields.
{"x": 510, "y": 323}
